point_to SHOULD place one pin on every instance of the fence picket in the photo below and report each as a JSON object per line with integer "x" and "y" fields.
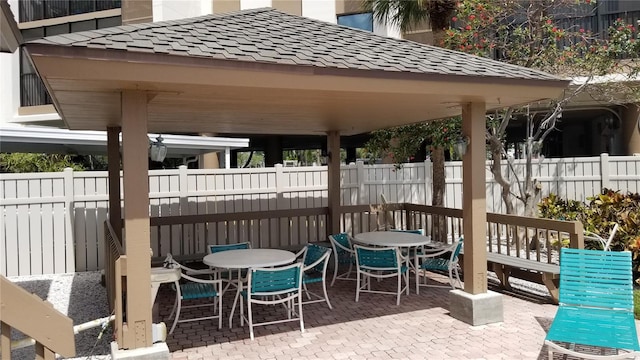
{"x": 52, "y": 221}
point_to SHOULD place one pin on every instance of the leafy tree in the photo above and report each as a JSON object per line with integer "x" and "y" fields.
{"x": 28, "y": 162}
{"x": 529, "y": 33}
{"x": 407, "y": 14}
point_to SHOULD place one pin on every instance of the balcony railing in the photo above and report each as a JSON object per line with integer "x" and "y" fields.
{"x": 46, "y": 9}
{"x": 32, "y": 91}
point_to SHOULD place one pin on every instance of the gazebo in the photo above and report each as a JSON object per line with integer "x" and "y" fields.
{"x": 264, "y": 71}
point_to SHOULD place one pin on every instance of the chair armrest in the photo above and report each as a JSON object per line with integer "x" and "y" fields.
{"x": 192, "y": 271}
{"x": 433, "y": 252}
{"x": 317, "y": 262}
{"x": 344, "y": 248}
{"x": 301, "y": 253}
{"x": 202, "y": 281}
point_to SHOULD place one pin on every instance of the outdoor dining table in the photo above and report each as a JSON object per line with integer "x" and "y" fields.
{"x": 399, "y": 239}
{"x": 244, "y": 259}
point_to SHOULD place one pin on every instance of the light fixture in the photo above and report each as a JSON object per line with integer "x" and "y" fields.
{"x": 460, "y": 146}
{"x": 157, "y": 149}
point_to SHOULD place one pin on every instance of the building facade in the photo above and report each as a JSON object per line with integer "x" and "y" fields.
{"x": 28, "y": 119}
{"x": 588, "y": 129}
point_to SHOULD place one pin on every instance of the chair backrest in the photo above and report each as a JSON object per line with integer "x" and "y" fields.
{"x": 457, "y": 250}
{"x": 376, "y": 258}
{"x": 276, "y": 280}
{"x": 595, "y": 278}
{"x": 343, "y": 240}
{"x": 313, "y": 254}
{"x": 226, "y": 247}
{"x": 611, "y": 236}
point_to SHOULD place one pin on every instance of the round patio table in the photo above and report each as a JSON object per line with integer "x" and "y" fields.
{"x": 247, "y": 258}
{"x": 399, "y": 239}
{"x": 392, "y": 238}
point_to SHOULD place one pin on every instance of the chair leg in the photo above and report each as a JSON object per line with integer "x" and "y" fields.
{"x": 335, "y": 270}
{"x": 175, "y": 321}
{"x": 220, "y": 310}
{"x": 458, "y": 277}
{"x": 399, "y": 288}
{"x": 306, "y": 291}
{"x": 250, "y": 314}
{"x": 358, "y": 286}
{"x": 326, "y": 296}
{"x": 300, "y": 312}
{"x": 233, "y": 307}
{"x": 453, "y": 286}
{"x": 175, "y": 304}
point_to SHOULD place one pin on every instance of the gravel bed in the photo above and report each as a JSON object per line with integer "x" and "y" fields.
{"x": 79, "y": 296}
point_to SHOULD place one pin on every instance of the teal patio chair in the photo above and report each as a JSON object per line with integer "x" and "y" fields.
{"x": 315, "y": 260}
{"x": 605, "y": 243}
{"x": 229, "y": 276}
{"x": 431, "y": 260}
{"x": 273, "y": 286}
{"x": 380, "y": 263}
{"x": 343, "y": 254}
{"x": 596, "y": 304}
{"x": 193, "y": 288}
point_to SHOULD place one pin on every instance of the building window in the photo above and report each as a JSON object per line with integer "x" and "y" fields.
{"x": 32, "y": 90}
{"x": 32, "y": 10}
{"x": 362, "y": 21}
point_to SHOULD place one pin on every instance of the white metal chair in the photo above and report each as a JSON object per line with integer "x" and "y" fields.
{"x": 343, "y": 254}
{"x": 605, "y": 243}
{"x": 315, "y": 260}
{"x": 430, "y": 260}
{"x": 228, "y": 276}
{"x": 194, "y": 288}
{"x": 380, "y": 263}
{"x": 273, "y": 286}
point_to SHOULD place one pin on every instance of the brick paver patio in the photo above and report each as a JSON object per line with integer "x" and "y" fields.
{"x": 374, "y": 328}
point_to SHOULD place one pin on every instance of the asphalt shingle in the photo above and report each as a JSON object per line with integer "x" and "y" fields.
{"x": 270, "y": 36}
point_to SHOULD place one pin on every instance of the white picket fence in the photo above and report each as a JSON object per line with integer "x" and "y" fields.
{"x": 52, "y": 222}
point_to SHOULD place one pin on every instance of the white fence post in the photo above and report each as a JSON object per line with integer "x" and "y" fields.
{"x": 428, "y": 181}
{"x": 362, "y": 196}
{"x": 279, "y": 186}
{"x": 69, "y": 205}
{"x": 183, "y": 189}
{"x": 604, "y": 171}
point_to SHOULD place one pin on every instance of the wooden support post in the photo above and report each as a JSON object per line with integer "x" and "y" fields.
{"x": 135, "y": 144}
{"x": 113, "y": 153}
{"x": 474, "y": 211}
{"x": 576, "y": 238}
{"x": 5, "y": 341}
{"x": 42, "y": 353}
{"x": 333, "y": 151}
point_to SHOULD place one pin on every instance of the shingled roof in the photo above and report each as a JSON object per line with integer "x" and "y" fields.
{"x": 273, "y": 37}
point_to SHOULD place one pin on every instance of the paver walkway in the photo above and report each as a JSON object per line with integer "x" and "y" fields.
{"x": 374, "y": 328}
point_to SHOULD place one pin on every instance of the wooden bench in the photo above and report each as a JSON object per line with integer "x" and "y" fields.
{"x": 542, "y": 273}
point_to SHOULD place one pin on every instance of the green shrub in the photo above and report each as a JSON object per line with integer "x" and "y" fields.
{"x": 600, "y": 215}
{"x": 553, "y": 207}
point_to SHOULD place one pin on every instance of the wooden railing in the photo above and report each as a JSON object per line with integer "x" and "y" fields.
{"x": 506, "y": 234}
{"x": 526, "y": 237}
{"x": 355, "y": 219}
{"x": 190, "y": 234}
{"x": 114, "y": 277}
{"x": 532, "y": 238}
{"x": 36, "y": 318}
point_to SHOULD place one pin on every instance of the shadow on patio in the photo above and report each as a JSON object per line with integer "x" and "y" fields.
{"x": 419, "y": 328}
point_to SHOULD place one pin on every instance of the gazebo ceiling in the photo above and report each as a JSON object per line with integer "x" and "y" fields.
{"x": 264, "y": 71}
